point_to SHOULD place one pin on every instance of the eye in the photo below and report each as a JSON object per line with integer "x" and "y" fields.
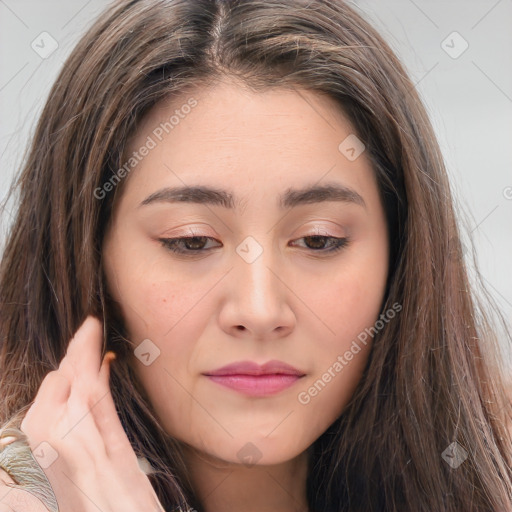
{"x": 186, "y": 245}
{"x": 318, "y": 243}
{"x": 194, "y": 245}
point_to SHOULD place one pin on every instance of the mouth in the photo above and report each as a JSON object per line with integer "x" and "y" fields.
{"x": 252, "y": 379}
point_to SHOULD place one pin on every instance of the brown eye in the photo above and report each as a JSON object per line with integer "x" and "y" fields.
{"x": 318, "y": 243}
{"x": 184, "y": 245}
{"x": 195, "y": 243}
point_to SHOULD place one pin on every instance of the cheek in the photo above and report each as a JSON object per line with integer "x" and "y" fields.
{"x": 338, "y": 363}
{"x": 324, "y": 397}
{"x": 348, "y": 304}
{"x": 155, "y": 298}
{"x": 171, "y": 315}
{"x": 347, "y": 301}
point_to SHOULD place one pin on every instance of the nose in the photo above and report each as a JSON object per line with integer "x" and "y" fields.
{"x": 259, "y": 298}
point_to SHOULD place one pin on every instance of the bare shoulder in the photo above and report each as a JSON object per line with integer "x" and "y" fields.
{"x": 12, "y": 499}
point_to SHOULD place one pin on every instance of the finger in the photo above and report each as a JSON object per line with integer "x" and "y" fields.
{"x": 104, "y": 373}
{"x": 52, "y": 395}
{"x": 107, "y": 419}
{"x": 84, "y": 350}
{"x": 54, "y": 389}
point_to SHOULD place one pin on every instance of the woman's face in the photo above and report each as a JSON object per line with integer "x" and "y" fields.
{"x": 260, "y": 282}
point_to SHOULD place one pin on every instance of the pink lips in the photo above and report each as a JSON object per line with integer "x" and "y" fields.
{"x": 256, "y": 380}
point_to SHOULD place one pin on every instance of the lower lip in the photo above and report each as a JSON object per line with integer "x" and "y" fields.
{"x": 256, "y": 385}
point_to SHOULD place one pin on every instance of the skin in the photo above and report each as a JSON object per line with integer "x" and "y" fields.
{"x": 203, "y": 311}
{"x": 16, "y": 499}
{"x": 294, "y": 303}
{"x": 76, "y": 436}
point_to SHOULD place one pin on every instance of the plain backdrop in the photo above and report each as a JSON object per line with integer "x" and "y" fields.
{"x": 459, "y": 54}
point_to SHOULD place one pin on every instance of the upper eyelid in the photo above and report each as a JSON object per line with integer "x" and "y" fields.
{"x": 327, "y": 235}
{"x": 318, "y": 231}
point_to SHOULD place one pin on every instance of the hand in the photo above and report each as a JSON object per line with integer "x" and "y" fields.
{"x": 74, "y": 416}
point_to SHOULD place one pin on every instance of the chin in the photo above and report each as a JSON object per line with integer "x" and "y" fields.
{"x": 258, "y": 450}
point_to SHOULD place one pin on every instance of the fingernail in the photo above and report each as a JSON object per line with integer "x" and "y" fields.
{"x": 110, "y": 356}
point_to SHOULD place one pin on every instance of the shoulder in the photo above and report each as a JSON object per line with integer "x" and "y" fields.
{"x": 17, "y": 499}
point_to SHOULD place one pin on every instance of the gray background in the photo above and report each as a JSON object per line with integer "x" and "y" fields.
{"x": 468, "y": 97}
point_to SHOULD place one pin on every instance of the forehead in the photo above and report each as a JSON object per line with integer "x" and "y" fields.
{"x": 229, "y": 109}
{"x": 229, "y": 136}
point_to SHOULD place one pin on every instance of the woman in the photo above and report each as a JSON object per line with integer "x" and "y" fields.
{"x": 245, "y": 203}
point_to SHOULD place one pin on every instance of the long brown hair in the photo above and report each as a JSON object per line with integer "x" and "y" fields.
{"x": 433, "y": 376}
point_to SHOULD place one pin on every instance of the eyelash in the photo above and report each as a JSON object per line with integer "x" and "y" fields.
{"x": 171, "y": 243}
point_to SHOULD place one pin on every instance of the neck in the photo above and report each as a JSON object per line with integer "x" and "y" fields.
{"x": 228, "y": 487}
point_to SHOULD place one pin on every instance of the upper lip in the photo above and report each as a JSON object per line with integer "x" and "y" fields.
{"x": 251, "y": 368}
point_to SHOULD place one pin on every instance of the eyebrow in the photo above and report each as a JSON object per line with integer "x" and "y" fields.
{"x": 201, "y": 194}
